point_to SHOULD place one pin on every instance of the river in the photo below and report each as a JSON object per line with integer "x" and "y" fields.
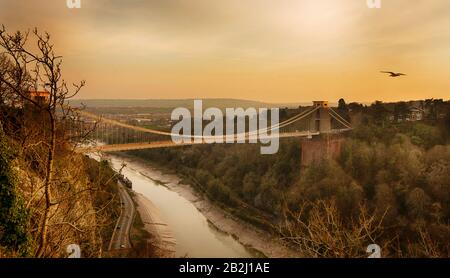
{"x": 195, "y": 236}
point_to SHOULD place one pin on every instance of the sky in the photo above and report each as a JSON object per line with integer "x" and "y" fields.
{"x": 266, "y": 50}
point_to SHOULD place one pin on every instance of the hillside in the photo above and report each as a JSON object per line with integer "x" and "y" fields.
{"x": 84, "y": 201}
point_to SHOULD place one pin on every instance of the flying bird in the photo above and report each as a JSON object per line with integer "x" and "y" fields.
{"x": 393, "y": 74}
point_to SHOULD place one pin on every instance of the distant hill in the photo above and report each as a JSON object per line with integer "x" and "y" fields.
{"x": 173, "y": 103}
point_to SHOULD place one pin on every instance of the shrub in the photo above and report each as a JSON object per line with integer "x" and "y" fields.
{"x": 14, "y": 217}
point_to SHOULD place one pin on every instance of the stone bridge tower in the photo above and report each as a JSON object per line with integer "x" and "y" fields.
{"x": 325, "y": 146}
{"x": 321, "y": 120}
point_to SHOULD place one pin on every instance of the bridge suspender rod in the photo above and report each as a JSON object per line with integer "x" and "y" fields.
{"x": 342, "y": 119}
{"x": 337, "y": 119}
{"x": 296, "y": 118}
{"x": 285, "y": 123}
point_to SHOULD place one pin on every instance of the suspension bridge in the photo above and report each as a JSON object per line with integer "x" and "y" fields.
{"x": 114, "y": 135}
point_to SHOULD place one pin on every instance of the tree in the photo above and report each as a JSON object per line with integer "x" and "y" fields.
{"x": 4, "y": 68}
{"x": 31, "y": 71}
{"x": 250, "y": 186}
{"x": 417, "y": 202}
{"x": 379, "y": 112}
{"x": 446, "y": 123}
{"x": 343, "y": 109}
{"x": 355, "y": 107}
{"x": 318, "y": 230}
{"x": 385, "y": 201}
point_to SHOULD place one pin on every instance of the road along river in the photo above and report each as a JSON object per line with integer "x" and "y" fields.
{"x": 195, "y": 236}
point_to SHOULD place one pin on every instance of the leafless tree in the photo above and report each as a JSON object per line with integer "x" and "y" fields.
{"x": 317, "y": 229}
{"x": 32, "y": 70}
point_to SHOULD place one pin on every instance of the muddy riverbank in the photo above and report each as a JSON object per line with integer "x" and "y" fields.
{"x": 259, "y": 241}
{"x": 162, "y": 237}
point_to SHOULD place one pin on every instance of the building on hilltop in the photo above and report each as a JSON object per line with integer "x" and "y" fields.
{"x": 415, "y": 114}
{"x": 40, "y": 97}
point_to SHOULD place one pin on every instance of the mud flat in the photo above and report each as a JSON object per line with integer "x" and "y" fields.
{"x": 162, "y": 236}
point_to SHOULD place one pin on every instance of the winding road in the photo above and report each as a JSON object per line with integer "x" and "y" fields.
{"x": 121, "y": 235}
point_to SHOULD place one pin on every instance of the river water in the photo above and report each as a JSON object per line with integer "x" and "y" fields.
{"x": 195, "y": 236}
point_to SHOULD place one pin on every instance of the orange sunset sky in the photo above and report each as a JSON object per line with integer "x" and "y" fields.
{"x": 267, "y": 50}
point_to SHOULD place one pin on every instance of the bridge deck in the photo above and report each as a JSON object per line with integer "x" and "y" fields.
{"x": 171, "y": 144}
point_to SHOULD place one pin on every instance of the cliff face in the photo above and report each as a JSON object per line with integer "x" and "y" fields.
{"x": 84, "y": 202}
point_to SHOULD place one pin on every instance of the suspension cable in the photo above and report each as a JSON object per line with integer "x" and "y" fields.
{"x": 344, "y": 120}
{"x": 158, "y": 132}
{"x": 337, "y": 119}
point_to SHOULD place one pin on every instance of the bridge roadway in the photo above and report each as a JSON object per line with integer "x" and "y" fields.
{"x": 171, "y": 144}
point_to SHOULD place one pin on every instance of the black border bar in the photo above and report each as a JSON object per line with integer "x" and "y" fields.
{"x": 126, "y": 268}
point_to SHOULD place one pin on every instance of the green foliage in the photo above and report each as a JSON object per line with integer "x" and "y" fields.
{"x": 14, "y": 217}
{"x": 218, "y": 191}
{"x": 399, "y": 172}
{"x": 424, "y": 135}
{"x": 406, "y": 181}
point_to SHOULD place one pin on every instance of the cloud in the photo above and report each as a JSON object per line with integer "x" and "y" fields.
{"x": 189, "y": 40}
